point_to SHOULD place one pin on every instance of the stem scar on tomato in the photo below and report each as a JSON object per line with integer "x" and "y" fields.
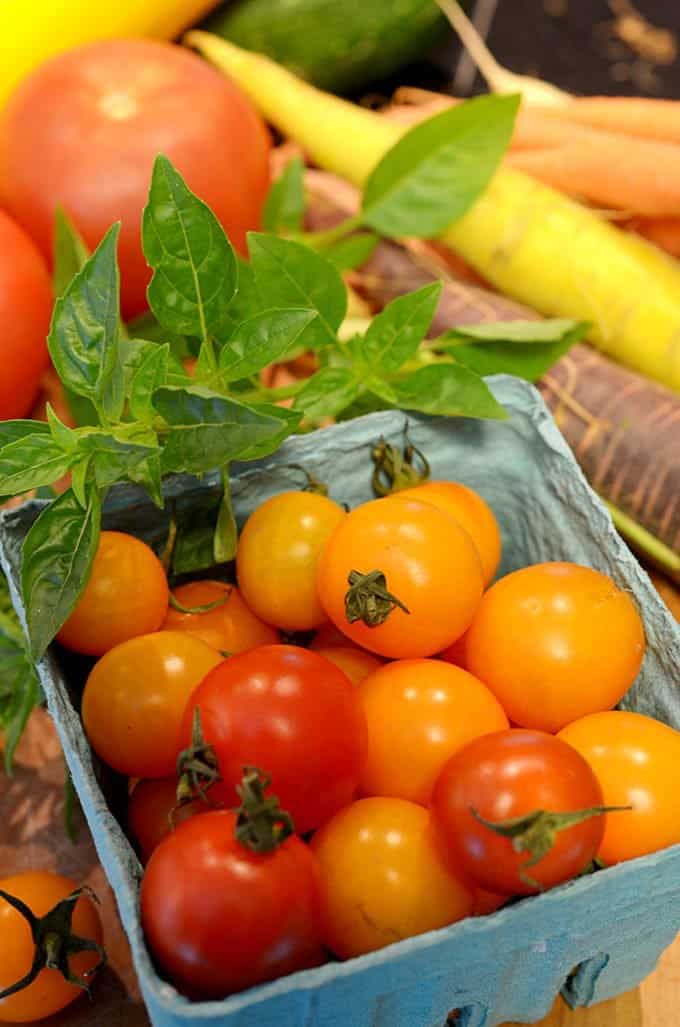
{"x": 369, "y": 600}
{"x": 54, "y": 941}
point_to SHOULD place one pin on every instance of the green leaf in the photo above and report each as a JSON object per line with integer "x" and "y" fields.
{"x": 262, "y": 340}
{"x": 395, "y": 334}
{"x": 289, "y": 421}
{"x": 150, "y": 375}
{"x": 115, "y": 454}
{"x": 58, "y": 553}
{"x": 64, "y": 436}
{"x": 526, "y": 349}
{"x": 208, "y": 430}
{"x": 247, "y": 302}
{"x": 79, "y": 477}
{"x": 19, "y": 686}
{"x": 327, "y": 392}
{"x": 148, "y": 328}
{"x": 148, "y": 474}
{"x": 448, "y": 389}
{"x": 226, "y": 532}
{"x": 30, "y": 462}
{"x": 549, "y": 330}
{"x": 69, "y": 252}
{"x": 193, "y": 262}
{"x": 14, "y": 431}
{"x": 288, "y": 274}
{"x": 434, "y": 174}
{"x": 285, "y": 204}
{"x": 83, "y": 339}
{"x": 351, "y": 252}
{"x": 194, "y": 546}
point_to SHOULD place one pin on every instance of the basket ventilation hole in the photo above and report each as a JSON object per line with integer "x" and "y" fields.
{"x": 579, "y": 987}
{"x": 472, "y": 1015}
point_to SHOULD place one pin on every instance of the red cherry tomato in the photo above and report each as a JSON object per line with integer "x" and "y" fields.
{"x": 82, "y": 132}
{"x": 507, "y": 775}
{"x": 153, "y": 813}
{"x": 292, "y": 712}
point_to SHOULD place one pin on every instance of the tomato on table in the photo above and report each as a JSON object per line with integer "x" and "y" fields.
{"x": 226, "y": 623}
{"x": 135, "y": 698}
{"x": 291, "y": 712}
{"x": 400, "y": 578}
{"x": 353, "y": 662}
{"x": 25, "y": 311}
{"x": 125, "y": 596}
{"x": 498, "y": 778}
{"x": 383, "y": 877}
{"x": 419, "y": 713}
{"x": 83, "y": 130}
{"x": 50, "y": 992}
{"x": 278, "y": 554}
{"x": 153, "y": 812}
{"x": 636, "y": 760}
{"x": 555, "y": 642}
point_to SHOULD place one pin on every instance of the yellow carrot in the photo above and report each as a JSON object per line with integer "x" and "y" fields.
{"x": 527, "y": 239}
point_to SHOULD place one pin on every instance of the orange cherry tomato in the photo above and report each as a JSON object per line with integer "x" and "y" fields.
{"x": 330, "y": 637}
{"x": 419, "y": 713}
{"x": 229, "y": 627}
{"x": 429, "y": 564}
{"x": 277, "y": 557}
{"x": 456, "y": 653}
{"x": 636, "y": 760}
{"x": 383, "y": 877}
{"x": 472, "y": 513}
{"x": 135, "y": 698}
{"x": 555, "y": 642}
{"x": 50, "y": 992}
{"x": 126, "y": 596}
{"x": 153, "y": 812}
{"x": 356, "y": 664}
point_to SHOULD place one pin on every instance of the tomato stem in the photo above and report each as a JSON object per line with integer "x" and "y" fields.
{"x": 369, "y": 600}
{"x": 205, "y": 608}
{"x": 261, "y": 823}
{"x": 397, "y": 469}
{"x": 197, "y": 766}
{"x": 54, "y": 941}
{"x": 313, "y": 483}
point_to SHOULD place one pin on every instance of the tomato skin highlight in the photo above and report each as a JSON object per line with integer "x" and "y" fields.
{"x": 353, "y": 662}
{"x": 50, "y": 992}
{"x": 135, "y": 697}
{"x": 126, "y": 596}
{"x": 230, "y": 628}
{"x": 511, "y": 774}
{"x": 153, "y": 813}
{"x": 220, "y": 918}
{"x": 555, "y": 642}
{"x": 430, "y": 565}
{"x": 383, "y": 877}
{"x": 25, "y": 311}
{"x": 278, "y": 554}
{"x": 419, "y": 713}
{"x": 635, "y": 759}
{"x": 470, "y": 511}
{"x": 128, "y": 100}
{"x": 292, "y": 713}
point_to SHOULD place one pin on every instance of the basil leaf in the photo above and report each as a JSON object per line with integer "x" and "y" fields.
{"x": 30, "y": 462}
{"x": 66, "y": 438}
{"x": 449, "y": 389}
{"x": 434, "y": 174}
{"x": 13, "y": 431}
{"x": 80, "y": 473}
{"x": 208, "y": 430}
{"x": 289, "y": 421}
{"x": 115, "y": 454}
{"x": 69, "y": 252}
{"x": 193, "y": 549}
{"x": 19, "y": 685}
{"x": 526, "y": 349}
{"x": 193, "y": 262}
{"x": 58, "y": 553}
{"x": 148, "y": 328}
{"x": 150, "y": 374}
{"x": 288, "y": 274}
{"x": 549, "y": 330}
{"x": 351, "y": 252}
{"x": 285, "y": 204}
{"x": 147, "y": 473}
{"x": 395, "y": 334}
{"x": 83, "y": 338}
{"x": 247, "y": 302}
{"x": 327, "y": 392}
{"x": 262, "y": 340}
{"x": 226, "y": 532}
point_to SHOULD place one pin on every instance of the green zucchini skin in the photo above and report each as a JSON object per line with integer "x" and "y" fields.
{"x": 338, "y": 45}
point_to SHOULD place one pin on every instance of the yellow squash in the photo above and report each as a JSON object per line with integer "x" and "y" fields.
{"x": 530, "y": 241}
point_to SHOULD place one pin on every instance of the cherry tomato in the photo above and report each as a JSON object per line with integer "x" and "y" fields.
{"x": 355, "y": 663}
{"x": 507, "y": 775}
{"x": 25, "y": 311}
{"x": 330, "y": 637}
{"x": 419, "y": 712}
{"x": 126, "y": 596}
{"x": 153, "y": 813}
{"x": 82, "y": 132}
{"x": 41, "y": 891}
{"x": 292, "y": 712}
{"x": 472, "y": 513}
{"x": 635, "y": 759}
{"x": 219, "y": 917}
{"x": 456, "y": 653}
{"x": 554, "y": 642}
{"x": 429, "y": 564}
{"x": 383, "y": 877}
{"x": 229, "y": 626}
{"x": 277, "y": 558}
{"x": 486, "y": 902}
{"x": 135, "y": 697}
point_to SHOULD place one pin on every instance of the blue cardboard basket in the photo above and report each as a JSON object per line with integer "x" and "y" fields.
{"x": 592, "y": 938}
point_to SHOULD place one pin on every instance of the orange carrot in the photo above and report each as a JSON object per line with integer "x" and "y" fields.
{"x": 663, "y": 232}
{"x": 632, "y": 116}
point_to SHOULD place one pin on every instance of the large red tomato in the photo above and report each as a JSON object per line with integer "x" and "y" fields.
{"x": 83, "y": 131}
{"x": 25, "y": 309}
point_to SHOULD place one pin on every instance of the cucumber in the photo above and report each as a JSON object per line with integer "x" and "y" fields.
{"x": 338, "y": 45}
